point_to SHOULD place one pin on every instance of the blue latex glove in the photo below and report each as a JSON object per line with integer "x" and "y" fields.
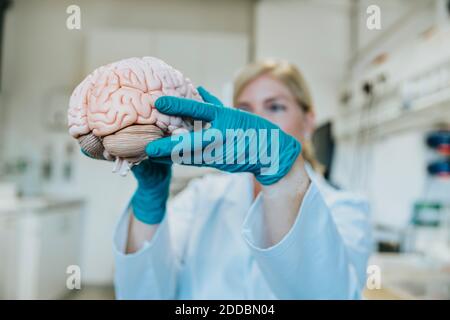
{"x": 149, "y": 200}
{"x": 241, "y": 154}
{"x": 150, "y": 197}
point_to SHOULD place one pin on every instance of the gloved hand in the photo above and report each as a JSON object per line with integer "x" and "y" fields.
{"x": 150, "y": 197}
{"x": 149, "y": 200}
{"x": 248, "y": 141}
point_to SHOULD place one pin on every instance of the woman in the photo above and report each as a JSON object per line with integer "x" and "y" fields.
{"x": 286, "y": 234}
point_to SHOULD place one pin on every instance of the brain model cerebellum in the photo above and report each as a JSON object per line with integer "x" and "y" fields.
{"x": 112, "y": 112}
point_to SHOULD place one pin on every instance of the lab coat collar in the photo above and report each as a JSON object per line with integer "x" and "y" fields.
{"x": 311, "y": 173}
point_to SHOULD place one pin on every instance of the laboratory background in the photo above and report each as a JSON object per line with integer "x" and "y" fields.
{"x": 382, "y": 95}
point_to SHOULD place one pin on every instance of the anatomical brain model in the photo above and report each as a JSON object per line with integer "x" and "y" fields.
{"x": 112, "y": 112}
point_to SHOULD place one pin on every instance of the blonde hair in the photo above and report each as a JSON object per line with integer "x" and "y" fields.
{"x": 289, "y": 75}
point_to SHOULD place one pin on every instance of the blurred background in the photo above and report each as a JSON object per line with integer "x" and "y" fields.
{"x": 383, "y": 109}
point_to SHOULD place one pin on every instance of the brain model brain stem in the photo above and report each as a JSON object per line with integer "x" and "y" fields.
{"x": 112, "y": 111}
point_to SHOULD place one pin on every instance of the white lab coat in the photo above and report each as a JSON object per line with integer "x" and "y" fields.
{"x": 209, "y": 247}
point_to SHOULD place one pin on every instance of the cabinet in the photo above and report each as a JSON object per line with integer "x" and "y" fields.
{"x": 36, "y": 247}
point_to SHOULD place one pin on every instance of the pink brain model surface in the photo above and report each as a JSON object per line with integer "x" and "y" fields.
{"x": 112, "y": 113}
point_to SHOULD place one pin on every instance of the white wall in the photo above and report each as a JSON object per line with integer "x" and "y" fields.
{"x": 316, "y": 36}
{"x": 391, "y": 11}
{"x": 312, "y": 34}
{"x": 416, "y": 16}
{"x": 43, "y": 59}
{"x": 391, "y": 168}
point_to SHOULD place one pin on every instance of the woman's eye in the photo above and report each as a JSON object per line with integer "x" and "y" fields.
{"x": 244, "y": 108}
{"x": 276, "y": 107}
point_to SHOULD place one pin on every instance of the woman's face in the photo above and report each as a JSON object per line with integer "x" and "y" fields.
{"x": 271, "y": 99}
